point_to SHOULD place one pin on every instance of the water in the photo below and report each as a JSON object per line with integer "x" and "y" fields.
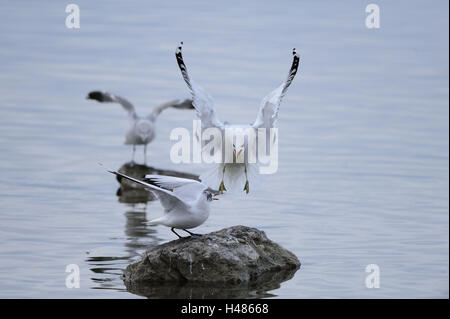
{"x": 363, "y": 173}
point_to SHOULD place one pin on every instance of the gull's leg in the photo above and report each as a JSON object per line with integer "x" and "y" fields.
{"x": 246, "y": 187}
{"x": 134, "y": 150}
{"x": 145, "y": 153}
{"x": 190, "y": 233}
{"x": 173, "y": 231}
{"x": 222, "y": 185}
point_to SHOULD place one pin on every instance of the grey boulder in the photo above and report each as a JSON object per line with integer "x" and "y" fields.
{"x": 238, "y": 259}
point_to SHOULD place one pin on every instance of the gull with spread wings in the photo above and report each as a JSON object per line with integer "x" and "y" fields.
{"x": 185, "y": 201}
{"x": 142, "y": 129}
{"x": 225, "y": 172}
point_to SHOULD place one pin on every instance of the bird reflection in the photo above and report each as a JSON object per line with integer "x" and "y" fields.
{"x": 260, "y": 289}
{"x": 140, "y": 236}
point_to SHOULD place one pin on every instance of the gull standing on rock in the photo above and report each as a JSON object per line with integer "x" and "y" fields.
{"x": 142, "y": 129}
{"x": 185, "y": 201}
{"x": 266, "y": 118}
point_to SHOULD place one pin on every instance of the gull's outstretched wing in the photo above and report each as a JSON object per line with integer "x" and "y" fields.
{"x": 177, "y": 104}
{"x": 202, "y": 101}
{"x": 268, "y": 111}
{"x": 184, "y": 188}
{"x": 169, "y": 200}
{"x": 112, "y": 98}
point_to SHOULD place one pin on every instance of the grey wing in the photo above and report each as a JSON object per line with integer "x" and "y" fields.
{"x": 268, "y": 111}
{"x": 168, "y": 199}
{"x": 177, "y": 104}
{"x": 184, "y": 188}
{"x": 105, "y": 97}
{"x": 202, "y": 101}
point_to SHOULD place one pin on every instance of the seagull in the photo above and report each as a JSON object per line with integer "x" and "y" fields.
{"x": 142, "y": 129}
{"x": 185, "y": 201}
{"x": 266, "y": 118}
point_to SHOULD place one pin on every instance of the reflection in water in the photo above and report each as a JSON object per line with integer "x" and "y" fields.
{"x": 259, "y": 289}
{"x": 134, "y": 196}
{"x": 107, "y": 270}
{"x": 139, "y": 236}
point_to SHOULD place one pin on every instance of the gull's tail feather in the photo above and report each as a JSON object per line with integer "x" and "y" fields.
{"x": 157, "y": 221}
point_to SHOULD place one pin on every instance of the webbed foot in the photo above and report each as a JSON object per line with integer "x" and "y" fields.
{"x": 246, "y": 187}
{"x": 222, "y": 187}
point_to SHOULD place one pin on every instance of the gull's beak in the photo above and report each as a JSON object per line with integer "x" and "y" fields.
{"x": 215, "y": 198}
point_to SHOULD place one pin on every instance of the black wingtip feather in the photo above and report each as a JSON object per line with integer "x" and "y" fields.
{"x": 96, "y": 95}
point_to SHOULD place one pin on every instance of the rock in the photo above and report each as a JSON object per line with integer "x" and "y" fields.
{"x": 231, "y": 262}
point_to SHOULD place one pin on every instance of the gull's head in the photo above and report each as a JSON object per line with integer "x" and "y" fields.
{"x": 210, "y": 196}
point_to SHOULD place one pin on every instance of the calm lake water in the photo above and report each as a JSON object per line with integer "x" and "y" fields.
{"x": 363, "y": 173}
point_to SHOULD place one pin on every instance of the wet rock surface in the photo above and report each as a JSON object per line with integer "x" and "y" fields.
{"x": 235, "y": 262}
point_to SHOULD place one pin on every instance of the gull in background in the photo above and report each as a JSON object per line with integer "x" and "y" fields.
{"x": 142, "y": 129}
{"x": 267, "y": 118}
{"x": 185, "y": 201}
